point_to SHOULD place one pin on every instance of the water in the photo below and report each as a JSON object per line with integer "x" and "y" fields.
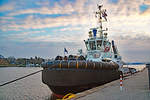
{"x": 29, "y": 88}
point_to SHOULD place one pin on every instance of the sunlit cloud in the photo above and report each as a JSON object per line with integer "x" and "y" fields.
{"x": 7, "y": 7}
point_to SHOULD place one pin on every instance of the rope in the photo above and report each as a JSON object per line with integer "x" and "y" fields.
{"x": 20, "y": 78}
{"x": 68, "y": 96}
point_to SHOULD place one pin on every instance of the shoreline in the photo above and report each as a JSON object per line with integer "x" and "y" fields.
{"x": 2, "y": 66}
{"x": 8, "y": 65}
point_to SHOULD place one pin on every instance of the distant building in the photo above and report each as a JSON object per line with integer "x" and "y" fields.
{"x": 30, "y": 65}
{"x": 2, "y": 57}
{"x": 12, "y": 60}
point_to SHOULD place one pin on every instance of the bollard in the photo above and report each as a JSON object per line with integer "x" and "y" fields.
{"x": 121, "y": 83}
{"x": 148, "y": 67}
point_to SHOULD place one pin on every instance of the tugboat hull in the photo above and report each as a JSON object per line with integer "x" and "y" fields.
{"x": 69, "y": 80}
{"x": 74, "y": 74}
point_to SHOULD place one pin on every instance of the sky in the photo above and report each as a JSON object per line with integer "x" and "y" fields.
{"x": 43, "y": 28}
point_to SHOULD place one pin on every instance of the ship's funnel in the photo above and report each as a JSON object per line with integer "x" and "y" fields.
{"x": 94, "y": 32}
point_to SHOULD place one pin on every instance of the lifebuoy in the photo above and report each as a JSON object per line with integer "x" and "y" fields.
{"x": 106, "y": 49}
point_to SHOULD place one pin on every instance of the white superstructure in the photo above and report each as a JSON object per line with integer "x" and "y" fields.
{"x": 98, "y": 46}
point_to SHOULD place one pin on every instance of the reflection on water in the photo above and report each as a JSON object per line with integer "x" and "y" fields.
{"x": 30, "y": 88}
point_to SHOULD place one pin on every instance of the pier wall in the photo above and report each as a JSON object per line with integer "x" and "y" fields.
{"x": 135, "y": 87}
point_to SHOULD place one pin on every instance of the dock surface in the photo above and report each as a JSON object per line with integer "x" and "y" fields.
{"x": 135, "y": 87}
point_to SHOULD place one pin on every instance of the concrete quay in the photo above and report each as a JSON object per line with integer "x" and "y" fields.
{"x": 135, "y": 87}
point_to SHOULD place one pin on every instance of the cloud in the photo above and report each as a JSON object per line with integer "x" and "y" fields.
{"x": 133, "y": 49}
{"x": 126, "y": 23}
{"x": 38, "y": 23}
{"x": 147, "y": 2}
{"x": 128, "y": 14}
{"x": 60, "y": 35}
{"x": 41, "y": 49}
{"x": 76, "y": 11}
{"x": 79, "y": 13}
{"x": 146, "y": 12}
{"x": 43, "y": 3}
{"x": 6, "y": 18}
{"x": 125, "y": 7}
{"x": 7, "y": 7}
{"x": 65, "y": 7}
{"x": 46, "y": 38}
{"x": 70, "y": 29}
{"x": 113, "y": 1}
{"x": 26, "y": 36}
{"x": 46, "y": 9}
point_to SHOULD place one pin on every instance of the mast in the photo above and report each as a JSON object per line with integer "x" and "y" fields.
{"x": 100, "y": 14}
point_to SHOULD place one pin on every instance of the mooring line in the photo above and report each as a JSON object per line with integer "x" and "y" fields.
{"x": 20, "y": 78}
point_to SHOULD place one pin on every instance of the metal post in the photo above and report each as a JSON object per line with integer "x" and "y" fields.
{"x": 148, "y": 67}
{"x": 121, "y": 83}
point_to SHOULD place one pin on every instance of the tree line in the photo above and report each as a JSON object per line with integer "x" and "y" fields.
{"x": 12, "y": 61}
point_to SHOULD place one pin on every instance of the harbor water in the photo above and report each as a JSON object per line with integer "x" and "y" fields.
{"x": 29, "y": 88}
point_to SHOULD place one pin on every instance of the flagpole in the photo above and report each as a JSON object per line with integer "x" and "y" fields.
{"x": 64, "y": 52}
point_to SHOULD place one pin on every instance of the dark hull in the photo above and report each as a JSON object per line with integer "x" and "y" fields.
{"x": 69, "y": 80}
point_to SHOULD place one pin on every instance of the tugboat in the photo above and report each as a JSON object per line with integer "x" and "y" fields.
{"x": 101, "y": 63}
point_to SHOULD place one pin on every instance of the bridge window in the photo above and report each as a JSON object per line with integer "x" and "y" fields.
{"x": 99, "y": 44}
{"x": 87, "y": 45}
{"x": 92, "y": 45}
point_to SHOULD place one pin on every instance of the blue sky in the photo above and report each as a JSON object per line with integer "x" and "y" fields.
{"x": 43, "y": 28}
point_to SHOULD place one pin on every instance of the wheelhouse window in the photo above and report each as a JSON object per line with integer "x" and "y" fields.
{"x": 92, "y": 45}
{"x": 104, "y": 43}
{"x": 99, "y": 44}
{"x": 87, "y": 45}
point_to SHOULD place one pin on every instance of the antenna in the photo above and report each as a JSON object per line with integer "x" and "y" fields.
{"x": 100, "y": 14}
